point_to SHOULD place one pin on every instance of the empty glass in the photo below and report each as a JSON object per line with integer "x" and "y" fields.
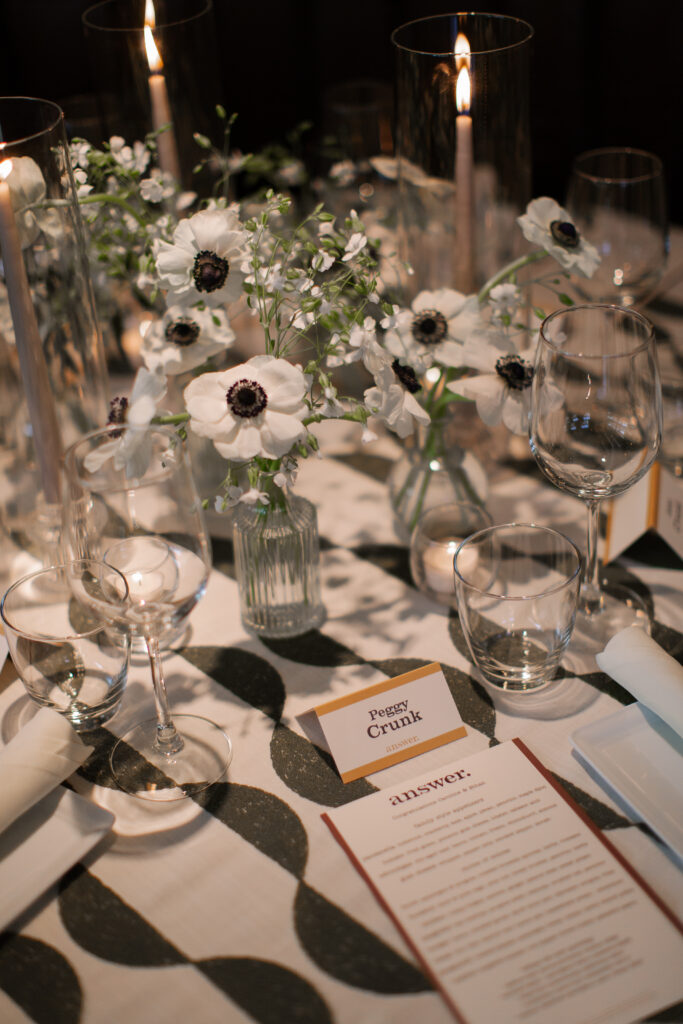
{"x": 67, "y": 654}
{"x": 616, "y": 197}
{"x": 517, "y": 589}
{"x": 435, "y": 538}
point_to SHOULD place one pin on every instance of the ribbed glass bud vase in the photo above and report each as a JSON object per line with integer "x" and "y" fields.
{"x": 277, "y": 556}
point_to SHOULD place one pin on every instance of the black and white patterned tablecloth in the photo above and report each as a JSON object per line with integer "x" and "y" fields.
{"x": 239, "y": 906}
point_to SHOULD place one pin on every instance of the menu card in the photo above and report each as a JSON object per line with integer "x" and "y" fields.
{"x": 516, "y": 906}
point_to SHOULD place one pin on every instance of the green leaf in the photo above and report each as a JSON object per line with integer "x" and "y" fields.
{"x": 565, "y": 300}
{"x": 202, "y": 140}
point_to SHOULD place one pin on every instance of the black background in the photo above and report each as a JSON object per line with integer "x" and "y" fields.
{"x": 604, "y": 72}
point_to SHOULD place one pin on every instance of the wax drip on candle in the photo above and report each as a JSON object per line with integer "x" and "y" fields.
{"x": 161, "y": 109}
{"x": 464, "y": 167}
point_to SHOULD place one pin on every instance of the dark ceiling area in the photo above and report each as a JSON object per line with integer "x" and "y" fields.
{"x": 603, "y": 72}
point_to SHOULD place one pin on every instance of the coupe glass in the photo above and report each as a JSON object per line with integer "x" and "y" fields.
{"x": 616, "y": 197}
{"x": 596, "y": 423}
{"x": 131, "y": 502}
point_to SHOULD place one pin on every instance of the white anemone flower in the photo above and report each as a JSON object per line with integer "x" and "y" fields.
{"x": 254, "y": 409}
{"x": 185, "y": 338}
{"x": 203, "y": 262}
{"x": 502, "y": 392}
{"x": 434, "y": 329}
{"x": 131, "y": 449}
{"x": 393, "y": 399}
{"x": 548, "y": 225}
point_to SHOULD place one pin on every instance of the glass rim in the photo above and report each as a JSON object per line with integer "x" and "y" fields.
{"x": 605, "y": 179}
{"x": 89, "y": 23}
{"x": 625, "y": 311}
{"x": 58, "y": 119}
{"x": 460, "y": 14}
{"x": 71, "y": 455}
{"x": 555, "y": 588}
{"x": 57, "y": 567}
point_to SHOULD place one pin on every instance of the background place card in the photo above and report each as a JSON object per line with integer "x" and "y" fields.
{"x": 654, "y": 503}
{"x": 391, "y": 721}
{"x": 517, "y": 907}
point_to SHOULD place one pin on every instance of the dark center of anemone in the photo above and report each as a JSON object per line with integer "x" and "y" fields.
{"x": 406, "y": 375}
{"x": 565, "y": 233}
{"x": 246, "y": 398}
{"x": 429, "y": 327}
{"x": 182, "y": 332}
{"x": 210, "y": 271}
{"x": 118, "y": 407}
{"x": 517, "y": 374}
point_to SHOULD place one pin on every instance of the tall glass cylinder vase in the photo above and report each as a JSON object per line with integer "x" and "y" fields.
{"x": 53, "y": 367}
{"x": 276, "y": 562}
{"x": 463, "y": 145}
{"x": 153, "y": 63}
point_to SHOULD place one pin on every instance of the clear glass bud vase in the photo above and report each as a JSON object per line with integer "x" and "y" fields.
{"x": 277, "y": 556}
{"x": 433, "y": 469}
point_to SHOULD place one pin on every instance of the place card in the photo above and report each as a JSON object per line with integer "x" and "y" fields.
{"x": 391, "y": 721}
{"x": 654, "y": 503}
{"x": 515, "y": 904}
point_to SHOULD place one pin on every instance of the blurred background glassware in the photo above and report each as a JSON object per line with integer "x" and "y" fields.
{"x": 671, "y": 449}
{"x": 464, "y": 162}
{"x": 63, "y": 649}
{"x": 596, "y": 427}
{"x": 434, "y": 541}
{"x": 131, "y": 501}
{"x": 46, "y": 211}
{"x": 617, "y": 198}
{"x": 517, "y": 587}
{"x": 139, "y": 89}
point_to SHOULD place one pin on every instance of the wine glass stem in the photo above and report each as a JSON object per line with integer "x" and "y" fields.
{"x": 168, "y": 740}
{"x": 591, "y": 595}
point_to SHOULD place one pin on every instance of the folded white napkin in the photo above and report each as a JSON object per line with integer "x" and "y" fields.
{"x": 643, "y": 668}
{"x": 41, "y": 755}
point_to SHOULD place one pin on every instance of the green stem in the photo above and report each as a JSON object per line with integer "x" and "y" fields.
{"x": 511, "y": 268}
{"x": 94, "y": 197}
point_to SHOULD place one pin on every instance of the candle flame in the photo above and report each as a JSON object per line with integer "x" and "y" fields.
{"x": 153, "y": 57}
{"x": 463, "y": 91}
{"x": 463, "y": 85}
{"x": 461, "y": 50}
{"x": 5, "y": 169}
{"x": 150, "y": 14}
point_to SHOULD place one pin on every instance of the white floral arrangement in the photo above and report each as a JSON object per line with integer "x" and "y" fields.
{"x": 321, "y": 303}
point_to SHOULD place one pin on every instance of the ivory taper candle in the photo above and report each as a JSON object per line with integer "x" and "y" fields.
{"x": 41, "y": 406}
{"x": 167, "y": 147}
{"x": 464, "y": 169}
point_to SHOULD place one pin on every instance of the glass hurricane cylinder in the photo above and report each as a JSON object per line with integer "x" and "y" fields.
{"x": 277, "y": 556}
{"x": 463, "y": 145}
{"x": 66, "y": 373}
{"x": 170, "y": 77}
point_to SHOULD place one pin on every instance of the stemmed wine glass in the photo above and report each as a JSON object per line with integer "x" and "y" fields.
{"x": 616, "y": 197}
{"x": 596, "y": 423}
{"x": 130, "y": 501}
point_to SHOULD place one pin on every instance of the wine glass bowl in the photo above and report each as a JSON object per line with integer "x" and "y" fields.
{"x": 596, "y": 419}
{"x": 616, "y": 198}
{"x": 131, "y": 499}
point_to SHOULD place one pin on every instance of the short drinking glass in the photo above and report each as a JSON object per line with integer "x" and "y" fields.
{"x": 69, "y": 656}
{"x": 517, "y": 589}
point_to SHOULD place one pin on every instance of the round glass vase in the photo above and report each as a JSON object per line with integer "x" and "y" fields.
{"x": 277, "y": 555}
{"x": 433, "y": 469}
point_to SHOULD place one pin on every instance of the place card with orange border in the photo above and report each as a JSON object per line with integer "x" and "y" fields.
{"x": 376, "y": 727}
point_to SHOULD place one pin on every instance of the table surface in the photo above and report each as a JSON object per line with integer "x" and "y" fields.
{"x": 239, "y": 905}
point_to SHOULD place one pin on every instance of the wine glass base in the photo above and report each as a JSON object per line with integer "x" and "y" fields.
{"x": 620, "y": 607}
{"x": 142, "y": 769}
